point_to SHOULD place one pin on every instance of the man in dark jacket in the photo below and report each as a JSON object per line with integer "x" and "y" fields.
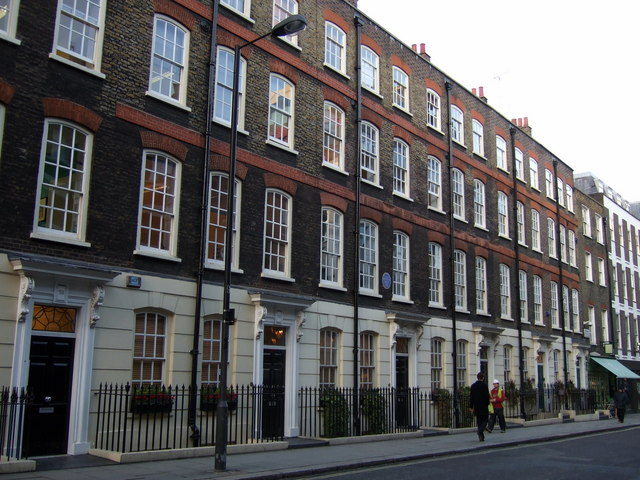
{"x": 480, "y": 404}
{"x": 620, "y": 400}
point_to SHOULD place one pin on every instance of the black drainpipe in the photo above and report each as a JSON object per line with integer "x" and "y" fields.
{"x": 561, "y": 279}
{"x": 516, "y": 251}
{"x": 452, "y": 245}
{"x": 204, "y": 207}
{"x": 610, "y": 273}
{"x": 359, "y": 23}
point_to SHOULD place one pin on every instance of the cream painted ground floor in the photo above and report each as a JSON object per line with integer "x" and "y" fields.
{"x": 66, "y": 328}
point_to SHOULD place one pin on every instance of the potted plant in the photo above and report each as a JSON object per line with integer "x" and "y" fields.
{"x": 210, "y": 394}
{"x": 151, "y": 399}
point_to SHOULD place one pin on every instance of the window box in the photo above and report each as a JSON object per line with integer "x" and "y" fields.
{"x": 151, "y": 401}
{"x": 209, "y": 399}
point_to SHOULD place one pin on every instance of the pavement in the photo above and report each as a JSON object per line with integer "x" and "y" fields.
{"x": 306, "y": 458}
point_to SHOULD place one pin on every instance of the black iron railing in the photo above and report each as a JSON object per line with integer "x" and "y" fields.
{"x": 134, "y": 419}
{"x": 13, "y": 404}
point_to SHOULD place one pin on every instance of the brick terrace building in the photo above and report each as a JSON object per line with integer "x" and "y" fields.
{"x": 447, "y": 262}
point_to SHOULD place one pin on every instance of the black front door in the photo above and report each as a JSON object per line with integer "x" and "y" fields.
{"x": 50, "y": 374}
{"x": 274, "y": 361}
{"x": 402, "y": 390}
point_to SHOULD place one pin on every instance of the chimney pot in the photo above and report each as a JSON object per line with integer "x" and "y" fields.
{"x": 423, "y": 48}
{"x": 414, "y": 47}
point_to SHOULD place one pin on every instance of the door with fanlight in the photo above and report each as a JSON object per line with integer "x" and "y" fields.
{"x": 51, "y": 356}
{"x": 274, "y": 360}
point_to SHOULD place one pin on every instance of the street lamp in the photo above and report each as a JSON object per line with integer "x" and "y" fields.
{"x": 288, "y": 26}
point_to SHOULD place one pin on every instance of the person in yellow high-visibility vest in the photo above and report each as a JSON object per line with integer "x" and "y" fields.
{"x": 497, "y": 397}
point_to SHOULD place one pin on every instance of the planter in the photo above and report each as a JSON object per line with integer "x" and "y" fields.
{"x": 151, "y": 406}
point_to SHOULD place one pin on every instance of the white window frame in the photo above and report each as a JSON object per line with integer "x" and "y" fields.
{"x": 462, "y": 363}
{"x": 401, "y": 286}
{"x": 479, "y": 204}
{"x": 519, "y": 157}
{"x": 335, "y": 47}
{"x": 575, "y": 310}
{"x": 599, "y": 229}
{"x": 501, "y": 154}
{"x": 93, "y": 25}
{"x": 477, "y": 130}
{"x": 601, "y": 273}
{"x": 460, "y": 280}
{"x": 481, "y": 286}
{"x": 331, "y": 248}
{"x": 367, "y": 353}
{"x": 560, "y": 187}
{"x": 503, "y": 215}
{"x": 276, "y": 249}
{"x": 328, "y": 360}
{"x": 400, "y": 88}
{"x": 224, "y": 88}
{"x": 551, "y": 237}
{"x": 535, "y": 230}
{"x": 177, "y": 63}
{"x": 370, "y": 154}
{"x": 435, "y": 274}
{"x": 586, "y": 222}
{"x": 281, "y": 111}
{"x": 433, "y": 110}
{"x": 522, "y": 239}
{"x": 569, "y": 192}
{"x": 9, "y": 22}
{"x": 555, "y": 309}
{"x": 523, "y": 297}
{"x": 168, "y": 208}
{"x": 534, "y": 179}
{"x": 74, "y": 195}
{"x": 565, "y": 306}
{"x": 563, "y": 244}
{"x": 588, "y": 267}
{"x": 548, "y": 181}
{"x": 507, "y": 354}
{"x": 457, "y": 124}
{"x": 368, "y": 276}
{"x": 457, "y": 194}
{"x": 572, "y": 248}
{"x": 505, "y": 292}
{"x": 401, "y": 170}
{"x": 211, "y": 350}
{"x": 283, "y": 9}
{"x": 437, "y": 365}
{"x": 217, "y": 221}
{"x": 434, "y": 183}
{"x": 537, "y": 301}
{"x": 333, "y": 136}
{"x": 151, "y": 359}
{"x": 370, "y": 69}
{"x": 242, "y": 7}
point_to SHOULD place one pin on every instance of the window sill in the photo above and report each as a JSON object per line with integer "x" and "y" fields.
{"x": 481, "y": 227}
{"x": 290, "y": 44}
{"x": 402, "y": 300}
{"x": 460, "y": 219}
{"x": 226, "y": 124}
{"x": 52, "y": 237}
{"x": 373, "y": 92}
{"x": 277, "y": 276}
{"x": 509, "y": 319}
{"x": 483, "y": 314}
{"x": 462, "y": 310}
{"x": 435, "y": 130}
{"x": 368, "y": 182}
{"x": 10, "y": 39}
{"x": 502, "y": 169}
{"x": 506, "y": 237}
{"x": 238, "y": 13}
{"x": 439, "y": 306}
{"x": 157, "y": 254}
{"x": 281, "y": 146}
{"x": 366, "y": 293}
{"x": 333, "y": 167}
{"x": 523, "y": 244}
{"x": 459, "y": 143}
{"x": 339, "y": 72}
{"x": 403, "y": 196}
{"x": 167, "y": 100}
{"x": 436, "y": 210}
{"x": 403, "y": 110}
{"x": 480, "y": 156}
{"x": 220, "y": 267}
{"x": 90, "y": 71}
{"x": 332, "y": 287}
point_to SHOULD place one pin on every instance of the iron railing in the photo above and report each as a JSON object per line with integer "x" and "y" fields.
{"x": 13, "y": 404}
{"x": 131, "y": 419}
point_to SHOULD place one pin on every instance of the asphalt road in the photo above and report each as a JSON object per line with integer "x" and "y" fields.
{"x": 604, "y": 456}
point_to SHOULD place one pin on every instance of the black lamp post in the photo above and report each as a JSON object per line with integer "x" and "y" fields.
{"x": 288, "y": 26}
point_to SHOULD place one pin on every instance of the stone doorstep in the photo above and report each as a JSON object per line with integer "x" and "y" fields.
{"x": 16, "y": 466}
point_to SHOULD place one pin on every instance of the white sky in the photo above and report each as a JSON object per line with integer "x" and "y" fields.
{"x": 571, "y": 66}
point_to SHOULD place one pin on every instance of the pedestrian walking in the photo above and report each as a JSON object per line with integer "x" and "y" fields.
{"x": 497, "y": 398}
{"x": 480, "y": 404}
{"x": 620, "y": 401}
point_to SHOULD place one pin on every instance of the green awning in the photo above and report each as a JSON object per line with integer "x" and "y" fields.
{"x": 615, "y": 367}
